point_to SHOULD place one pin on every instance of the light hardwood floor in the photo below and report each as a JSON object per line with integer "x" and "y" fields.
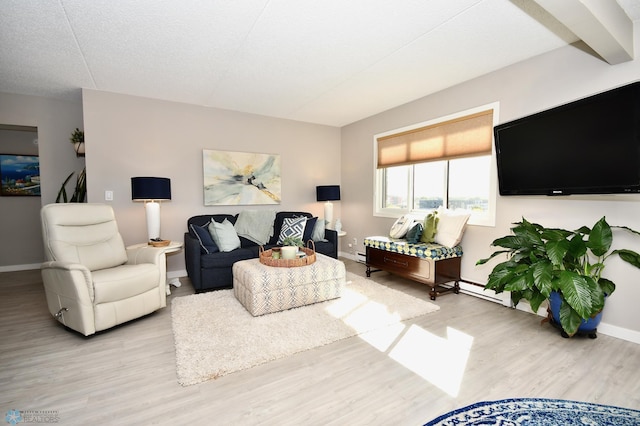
{"x": 470, "y": 350}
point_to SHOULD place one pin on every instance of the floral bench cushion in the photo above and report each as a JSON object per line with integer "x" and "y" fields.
{"x": 422, "y": 250}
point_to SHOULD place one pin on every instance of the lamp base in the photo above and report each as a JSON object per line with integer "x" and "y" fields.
{"x": 328, "y": 214}
{"x": 152, "y": 209}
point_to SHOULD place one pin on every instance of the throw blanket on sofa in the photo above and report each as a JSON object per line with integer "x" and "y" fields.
{"x": 255, "y": 225}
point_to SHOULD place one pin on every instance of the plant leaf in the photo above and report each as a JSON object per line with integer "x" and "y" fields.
{"x": 607, "y": 286}
{"x": 535, "y": 300}
{"x": 494, "y": 254}
{"x": 556, "y": 250}
{"x": 576, "y": 291}
{"x": 542, "y": 273}
{"x": 569, "y": 319}
{"x": 600, "y": 238}
{"x": 629, "y": 256}
{"x": 62, "y": 193}
{"x": 555, "y": 234}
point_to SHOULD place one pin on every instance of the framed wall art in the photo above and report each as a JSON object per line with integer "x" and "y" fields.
{"x": 20, "y": 175}
{"x": 240, "y": 178}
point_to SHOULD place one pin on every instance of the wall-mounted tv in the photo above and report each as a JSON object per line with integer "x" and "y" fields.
{"x": 590, "y": 146}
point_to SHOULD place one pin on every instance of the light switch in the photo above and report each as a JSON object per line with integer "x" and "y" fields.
{"x": 108, "y": 195}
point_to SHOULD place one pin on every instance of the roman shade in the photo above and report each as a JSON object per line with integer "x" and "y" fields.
{"x": 466, "y": 136}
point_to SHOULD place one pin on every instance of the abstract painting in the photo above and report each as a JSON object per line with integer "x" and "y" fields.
{"x": 240, "y": 178}
{"x": 20, "y": 174}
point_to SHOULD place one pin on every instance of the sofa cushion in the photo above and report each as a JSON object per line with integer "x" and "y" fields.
{"x": 224, "y": 235}
{"x": 292, "y": 227}
{"x": 430, "y": 227}
{"x": 401, "y": 226}
{"x": 451, "y": 226}
{"x": 414, "y": 233}
{"x": 228, "y": 258}
{"x": 308, "y": 229}
{"x": 318, "y": 231}
{"x": 207, "y": 245}
{"x": 124, "y": 282}
{"x": 277, "y": 224}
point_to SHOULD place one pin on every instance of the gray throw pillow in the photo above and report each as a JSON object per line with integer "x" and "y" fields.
{"x": 318, "y": 231}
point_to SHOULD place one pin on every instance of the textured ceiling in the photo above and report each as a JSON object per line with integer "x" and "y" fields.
{"x": 330, "y": 62}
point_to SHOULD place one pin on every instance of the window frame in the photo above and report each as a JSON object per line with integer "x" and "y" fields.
{"x": 378, "y": 174}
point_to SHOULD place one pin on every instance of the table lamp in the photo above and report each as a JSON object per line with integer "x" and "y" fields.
{"x": 328, "y": 193}
{"x": 151, "y": 190}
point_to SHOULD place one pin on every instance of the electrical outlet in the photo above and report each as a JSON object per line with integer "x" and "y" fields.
{"x": 355, "y": 241}
{"x": 108, "y": 195}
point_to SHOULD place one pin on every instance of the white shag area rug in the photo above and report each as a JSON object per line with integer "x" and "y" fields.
{"x": 215, "y": 335}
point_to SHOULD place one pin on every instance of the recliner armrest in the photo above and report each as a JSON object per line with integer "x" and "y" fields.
{"x": 146, "y": 254}
{"x": 76, "y": 278}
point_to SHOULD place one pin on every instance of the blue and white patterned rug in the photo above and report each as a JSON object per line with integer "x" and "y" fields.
{"x": 534, "y": 412}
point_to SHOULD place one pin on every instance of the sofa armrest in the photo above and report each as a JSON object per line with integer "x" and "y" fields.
{"x": 332, "y": 236}
{"x": 192, "y": 260}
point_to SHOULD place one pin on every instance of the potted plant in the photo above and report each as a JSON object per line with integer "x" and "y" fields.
{"x": 562, "y": 266}
{"x": 293, "y": 241}
{"x": 290, "y": 247}
{"x": 77, "y": 139}
{"x": 80, "y": 191}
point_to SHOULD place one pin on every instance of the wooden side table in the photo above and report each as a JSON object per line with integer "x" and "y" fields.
{"x": 172, "y": 248}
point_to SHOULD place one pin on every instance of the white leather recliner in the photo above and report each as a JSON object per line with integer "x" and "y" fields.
{"x": 91, "y": 281}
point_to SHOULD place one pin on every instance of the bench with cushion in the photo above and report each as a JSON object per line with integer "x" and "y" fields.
{"x": 428, "y": 252}
{"x": 429, "y": 263}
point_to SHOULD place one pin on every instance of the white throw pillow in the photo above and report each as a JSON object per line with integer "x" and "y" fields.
{"x": 224, "y": 235}
{"x": 292, "y": 227}
{"x": 401, "y": 226}
{"x": 451, "y": 226}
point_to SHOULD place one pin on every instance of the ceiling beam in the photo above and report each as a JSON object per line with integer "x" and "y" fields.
{"x": 601, "y": 24}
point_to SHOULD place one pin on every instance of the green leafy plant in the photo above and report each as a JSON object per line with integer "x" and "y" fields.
{"x": 541, "y": 260}
{"x": 293, "y": 241}
{"x": 77, "y": 136}
{"x": 80, "y": 191}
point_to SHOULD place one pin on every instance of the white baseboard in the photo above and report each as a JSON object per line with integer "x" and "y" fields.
{"x": 347, "y": 255}
{"x": 619, "y": 332}
{"x": 13, "y": 268}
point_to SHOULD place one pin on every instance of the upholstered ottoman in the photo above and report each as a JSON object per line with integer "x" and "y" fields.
{"x": 263, "y": 289}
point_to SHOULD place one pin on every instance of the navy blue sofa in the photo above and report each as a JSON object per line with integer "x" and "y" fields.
{"x": 213, "y": 271}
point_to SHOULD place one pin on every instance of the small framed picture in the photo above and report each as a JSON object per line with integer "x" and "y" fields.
{"x": 20, "y": 175}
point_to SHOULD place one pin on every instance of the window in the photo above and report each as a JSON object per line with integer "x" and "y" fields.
{"x": 446, "y": 162}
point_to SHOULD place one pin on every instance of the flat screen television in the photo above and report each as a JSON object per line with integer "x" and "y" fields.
{"x": 590, "y": 146}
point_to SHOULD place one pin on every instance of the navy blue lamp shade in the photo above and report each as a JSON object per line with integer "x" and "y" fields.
{"x": 328, "y": 193}
{"x": 150, "y": 188}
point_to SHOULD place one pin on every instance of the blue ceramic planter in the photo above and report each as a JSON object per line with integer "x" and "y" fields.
{"x": 587, "y": 326}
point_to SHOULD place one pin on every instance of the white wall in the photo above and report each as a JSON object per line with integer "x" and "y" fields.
{"x": 129, "y": 136}
{"x": 20, "y": 235}
{"x": 545, "y": 81}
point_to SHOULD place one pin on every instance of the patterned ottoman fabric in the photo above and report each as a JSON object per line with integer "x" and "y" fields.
{"x": 263, "y": 289}
{"x": 422, "y": 250}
